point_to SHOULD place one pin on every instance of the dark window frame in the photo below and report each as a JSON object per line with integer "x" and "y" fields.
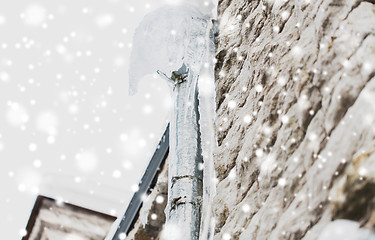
{"x": 146, "y": 185}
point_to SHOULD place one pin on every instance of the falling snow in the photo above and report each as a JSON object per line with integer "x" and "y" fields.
{"x": 34, "y": 15}
{"x": 67, "y": 123}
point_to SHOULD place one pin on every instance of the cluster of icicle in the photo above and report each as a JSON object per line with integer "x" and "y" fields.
{"x": 165, "y": 40}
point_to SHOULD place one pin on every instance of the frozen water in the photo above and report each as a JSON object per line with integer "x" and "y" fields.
{"x": 166, "y": 40}
{"x": 161, "y": 41}
{"x": 169, "y": 39}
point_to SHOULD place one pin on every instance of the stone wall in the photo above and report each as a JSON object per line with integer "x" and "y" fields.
{"x": 295, "y": 117}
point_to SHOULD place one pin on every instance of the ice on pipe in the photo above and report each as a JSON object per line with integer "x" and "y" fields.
{"x": 161, "y": 41}
{"x": 177, "y": 77}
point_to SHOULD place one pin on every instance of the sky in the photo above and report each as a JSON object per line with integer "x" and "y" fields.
{"x": 68, "y": 127}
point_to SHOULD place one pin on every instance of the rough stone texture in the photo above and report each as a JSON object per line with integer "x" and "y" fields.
{"x": 147, "y": 226}
{"x": 295, "y": 117}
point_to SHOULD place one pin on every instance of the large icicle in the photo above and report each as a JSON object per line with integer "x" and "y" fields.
{"x": 168, "y": 41}
{"x": 207, "y": 106}
{"x": 185, "y": 170}
{"x": 160, "y": 43}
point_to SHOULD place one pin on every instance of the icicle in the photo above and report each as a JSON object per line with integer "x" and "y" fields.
{"x": 166, "y": 41}
{"x": 207, "y": 103}
{"x": 160, "y": 42}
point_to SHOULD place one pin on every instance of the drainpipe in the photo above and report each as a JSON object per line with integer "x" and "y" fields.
{"x": 187, "y": 47}
{"x": 185, "y": 163}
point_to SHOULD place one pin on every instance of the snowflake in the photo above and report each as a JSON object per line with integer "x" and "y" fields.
{"x": 16, "y": 114}
{"x": 147, "y": 109}
{"x": 47, "y": 122}
{"x": 33, "y": 147}
{"x": 4, "y": 77}
{"x": 285, "y": 15}
{"x": 116, "y": 174}
{"x": 282, "y": 80}
{"x": 127, "y": 165}
{"x": 37, "y": 163}
{"x": 86, "y": 160}
{"x": 297, "y": 51}
{"x": 246, "y": 208}
{"x": 22, "y": 232}
{"x": 259, "y": 152}
{"x": 282, "y": 182}
{"x": 134, "y": 188}
{"x": 226, "y": 236}
{"x": 247, "y": 119}
{"x": 34, "y": 15}
{"x": 285, "y": 119}
{"x": 122, "y": 236}
{"x": 104, "y": 20}
{"x": 232, "y": 104}
{"x": 258, "y": 88}
{"x": 159, "y": 199}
